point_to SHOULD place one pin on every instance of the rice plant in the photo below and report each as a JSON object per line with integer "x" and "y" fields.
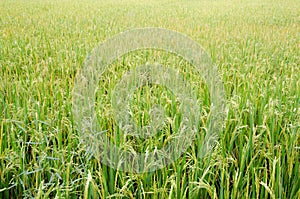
{"x": 254, "y": 44}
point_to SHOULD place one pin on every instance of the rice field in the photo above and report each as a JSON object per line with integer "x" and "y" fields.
{"x": 255, "y": 46}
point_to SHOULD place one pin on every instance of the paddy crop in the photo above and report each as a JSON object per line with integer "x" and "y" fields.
{"x": 254, "y": 44}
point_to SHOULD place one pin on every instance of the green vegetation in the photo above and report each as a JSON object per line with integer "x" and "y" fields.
{"x": 256, "y": 46}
